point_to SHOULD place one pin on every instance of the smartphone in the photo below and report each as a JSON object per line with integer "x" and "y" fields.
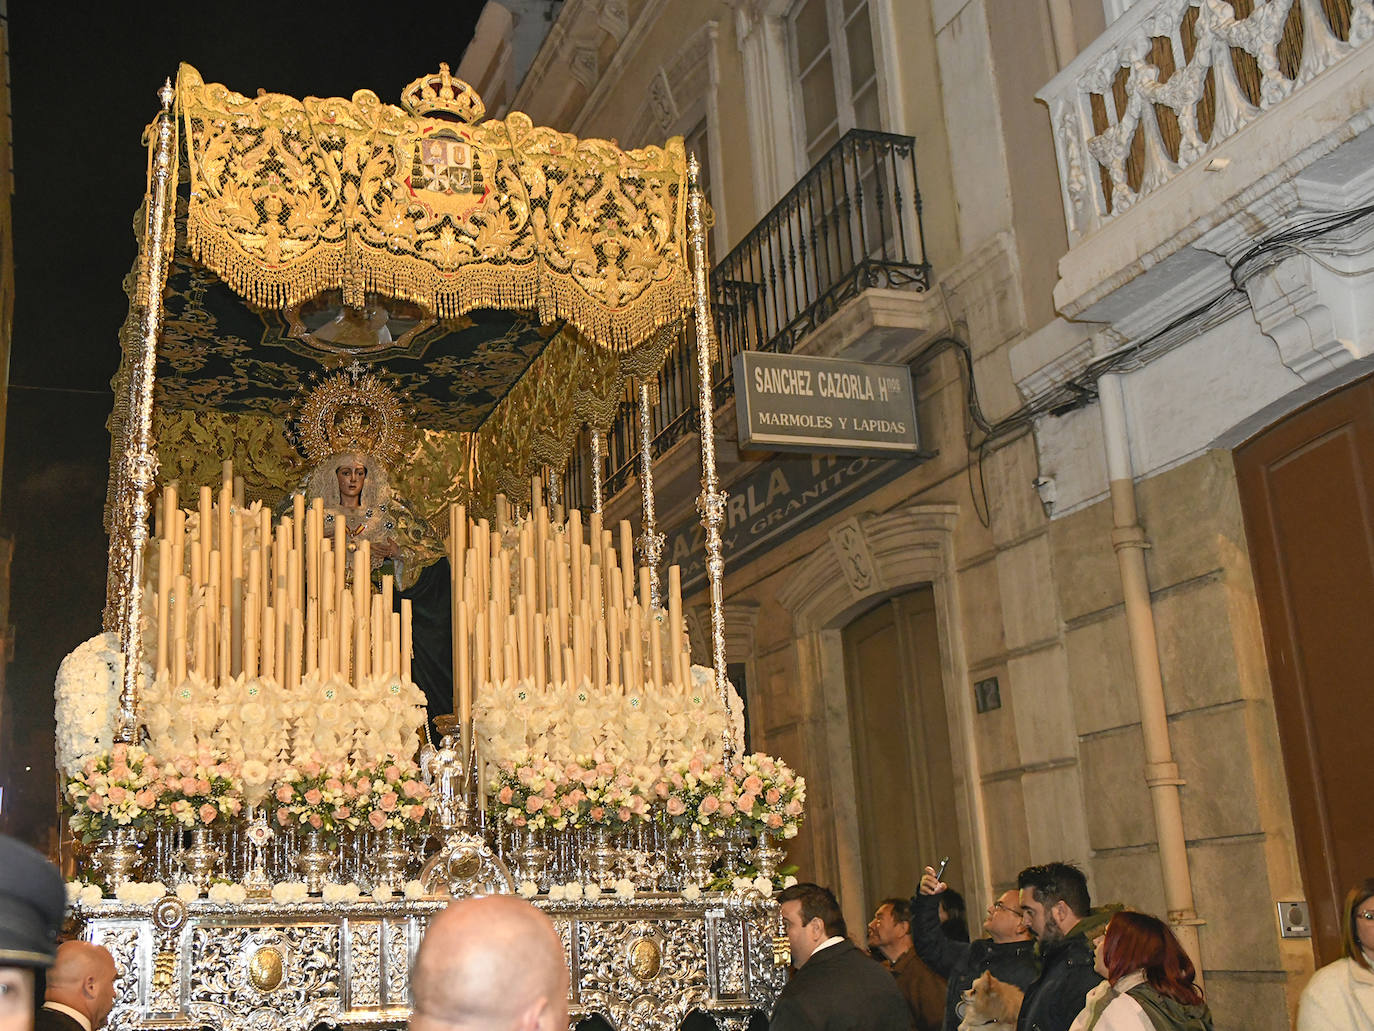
{"x": 940, "y": 870}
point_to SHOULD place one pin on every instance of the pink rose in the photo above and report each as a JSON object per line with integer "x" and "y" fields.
{"x": 726, "y": 809}
{"x": 534, "y": 803}
{"x": 793, "y": 808}
{"x": 772, "y": 795}
{"x": 310, "y": 768}
{"x": 696, "y": 767}
{"x": 333, "y": 784}
{"x": 624, "y": 814}
{"x": 506, "y": 795}
{"x": 208, "y": 813}
{"x": 413, "y": 789}
{"x": 316, "y": 821}
{"x": 597, "y": 812}
{"x": 120, "y": 772}
{"x": 393, "y": 773}
{"x": 187, "y": 785}
{"x": 283, "y": 817}
{"x": 364, "y": 785}
{"x": 313, "y": 796}
{"x": 661, "y": 789}
{"x": 284, "y": 793}
{"x": 119, "y": 753}
{"x": 145, "y": 798}
{"x": 774, "y": 820}
{"x": 575, "y": 796}
{"x": 753, "y": 785}
{"x": 116, "y": 794}
{"x": 746, "y": 803}
{"x": 675, "y": 806}
{"x": 202, "y": 786}
{"x": 709, "y": 805}
{"x": 234, "y": 805}
{"x": 95, "y": 803}
{"x": 417, "y": 813}
{"x": 377, "y": 818}
{"x": 553, "y": 811}
{"x": 343, "y": 812}
{"x": 185, "y": 765}
{"x": 388, "y": 802}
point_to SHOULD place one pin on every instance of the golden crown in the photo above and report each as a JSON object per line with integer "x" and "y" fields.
{"x": 443, "y": 96}
{"x": 353, "y": 410}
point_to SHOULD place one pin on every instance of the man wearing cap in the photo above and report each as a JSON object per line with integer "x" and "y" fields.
{"x": 80, "y": 991}
{"x": 32, "y": 903}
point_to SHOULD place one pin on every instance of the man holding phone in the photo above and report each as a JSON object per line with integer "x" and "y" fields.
{"x": 1008, "y": 951}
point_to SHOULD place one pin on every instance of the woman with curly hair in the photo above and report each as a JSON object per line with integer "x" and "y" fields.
{"x": 1341, "y": 994}
{"x": 1149, "y": 982}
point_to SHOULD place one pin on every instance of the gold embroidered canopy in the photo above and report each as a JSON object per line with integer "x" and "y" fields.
{"x": 507, "y": 278}
{"x": 424, "y": 203}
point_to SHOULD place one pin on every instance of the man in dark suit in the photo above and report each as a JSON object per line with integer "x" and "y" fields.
{"x": 836, "y": 987}
{"x": 80, "y": 991}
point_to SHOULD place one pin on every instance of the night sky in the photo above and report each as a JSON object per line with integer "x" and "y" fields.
{"x": 83, "y": 86}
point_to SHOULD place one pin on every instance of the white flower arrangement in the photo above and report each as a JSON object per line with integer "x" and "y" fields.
{"x": 289, "y": 891}
{"x": 566, "y": 720}
{"x": 187, "y": 892}
{"x": 625, "y": 888}
{"x": 414, "y": 890}
{"x": 349, "y": 892}
{"x": 81, "y": 893}
{"x": 86, "y": 697}
{"x": 763, "y": 886}
{"x": 140, "y": 893}
{"x": 528, "y": 889}
{"x": 233, "y": 893}
{"x": 691, "y": 893}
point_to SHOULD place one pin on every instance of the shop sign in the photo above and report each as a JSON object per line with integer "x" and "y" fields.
{"x": 790, "y": 402}
{"x": 775, "y": 501}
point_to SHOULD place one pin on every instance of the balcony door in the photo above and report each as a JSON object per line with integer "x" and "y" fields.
{"x": 1307, "y": 493}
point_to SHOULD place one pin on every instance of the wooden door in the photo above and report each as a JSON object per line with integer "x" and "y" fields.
{"x": 900, "y": 742}
{"x": 1307, "y": 493}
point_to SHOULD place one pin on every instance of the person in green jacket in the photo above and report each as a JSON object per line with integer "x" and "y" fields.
{"x": 1150, "y": 981}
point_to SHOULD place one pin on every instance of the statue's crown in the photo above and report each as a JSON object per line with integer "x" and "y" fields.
{"x": 443, "y": 96}
{"x": 352, "y": 410}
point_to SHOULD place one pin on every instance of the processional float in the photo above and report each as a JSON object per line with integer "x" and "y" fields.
{"x": 314, "y": 718}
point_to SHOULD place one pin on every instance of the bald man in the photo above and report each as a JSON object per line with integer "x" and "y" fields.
{"x": 490, "y": 964}
{"x": 80, "y": 991}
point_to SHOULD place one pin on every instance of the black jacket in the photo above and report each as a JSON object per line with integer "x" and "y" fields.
{"x": 53, "y": 1020}
{"x": 1066, "y": 976}
{"x": 841, "y": 989}
{"x": 963, "y": 962}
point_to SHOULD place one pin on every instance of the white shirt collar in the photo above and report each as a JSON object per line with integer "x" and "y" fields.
{"x": 76, "y": 1015}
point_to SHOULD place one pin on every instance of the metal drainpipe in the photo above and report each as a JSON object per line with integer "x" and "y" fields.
{"x": 1161, "y": 772}
{"x": 1061, "y": 32}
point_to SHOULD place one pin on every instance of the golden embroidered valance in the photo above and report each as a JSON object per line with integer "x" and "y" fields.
{"x": 290, "y": 198}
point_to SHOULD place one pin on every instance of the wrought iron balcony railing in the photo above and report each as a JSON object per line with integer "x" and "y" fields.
{"x": 1170, "y": 80}
{"x": 853, "y": 222}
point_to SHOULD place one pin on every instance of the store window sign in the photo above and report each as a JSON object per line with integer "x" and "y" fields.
{"x": 789, "y": 402}
{"x": 776, "y": 500}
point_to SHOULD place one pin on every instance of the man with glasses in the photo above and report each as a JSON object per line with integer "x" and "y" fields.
{"x": 1008, "y": 951}
{"x": 1058, "y": 911}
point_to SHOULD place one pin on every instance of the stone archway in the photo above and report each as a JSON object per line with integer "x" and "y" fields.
{"x": 872, "y": 558}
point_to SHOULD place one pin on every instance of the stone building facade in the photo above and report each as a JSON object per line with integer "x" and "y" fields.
{"x": 1045, "y": 638}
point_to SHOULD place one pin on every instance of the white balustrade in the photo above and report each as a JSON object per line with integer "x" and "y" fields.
{"x": 1171, "y": 80}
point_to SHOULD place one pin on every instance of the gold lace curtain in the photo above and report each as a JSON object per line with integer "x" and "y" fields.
{"x": 291, "y": 197}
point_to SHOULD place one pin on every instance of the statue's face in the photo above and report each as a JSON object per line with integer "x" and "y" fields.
{"x": 352, "y": 474}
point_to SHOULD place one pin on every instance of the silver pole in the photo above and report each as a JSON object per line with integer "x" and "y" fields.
{"x": 650, "y": 540}
{"x": 139, "y": 460}
{"x": 711, "y": 503}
